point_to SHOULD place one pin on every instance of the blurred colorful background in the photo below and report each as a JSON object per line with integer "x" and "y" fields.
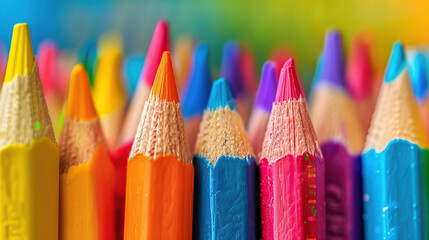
{"x": 299, "y": 26}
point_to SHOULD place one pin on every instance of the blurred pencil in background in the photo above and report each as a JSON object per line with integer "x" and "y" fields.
{"x": 160, "y": 174}
{"x": 182, "y": 59}
{"x": 110, "y": 98}
{"x": 2, "y": 62}
{"x": 419, "y": 76}
{"x": 395, "y": 160}
{"x": 339, "y": 131}
{"x": 47, "y": 59}
{"x": 28, "y": 151}
{"x": 250, "y": 80}
{"x": 262, "y": 107}
{"x": 87, "y": 56}
{"x": 196, "y": 93}
{"x": 223, "y": 172}
{"x": 292, "y": 168}
{"x": 131, "y": 70}
{"x": 86, "y": 171}
{"x": 360, "y": 81}
{"x": 158, "y": 44}
{"x": 231, "y": 70}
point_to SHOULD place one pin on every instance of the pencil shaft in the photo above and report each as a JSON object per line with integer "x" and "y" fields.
{"x": 392, "y": 191}
{"x": 343, "y": 192}
{"x": 29, "y": 191}
{"x": 298, "y": 197}
{"x": 160, "y": 192}
{"x": 221, "y": 198}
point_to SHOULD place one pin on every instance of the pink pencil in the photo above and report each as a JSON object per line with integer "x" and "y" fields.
{"x": 292, "y": 168}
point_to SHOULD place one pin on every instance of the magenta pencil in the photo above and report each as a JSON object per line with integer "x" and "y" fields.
{"x": 292, "y": 168}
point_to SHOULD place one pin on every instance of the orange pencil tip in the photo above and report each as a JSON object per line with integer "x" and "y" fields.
{"x": 79, "y": 104}
{"x": 164, "y": 85}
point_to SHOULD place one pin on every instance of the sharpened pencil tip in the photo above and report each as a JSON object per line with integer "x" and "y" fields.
{"x": 419, "y": 77}
{"x": 230, "y": 67}
{"x": 396, "y": 64}
{"x": 21, "y": 57}
{"x": 221, "y": 95}
{"x": 164, "y": 85}
{"x": 79, "y": 103}
{"x": 289, "y": 86}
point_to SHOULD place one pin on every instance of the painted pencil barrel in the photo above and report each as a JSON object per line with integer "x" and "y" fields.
{"x": 392, "y": 192}
{"x": 221, "y": 204}
{"x": 343, "y": 192}
{"x": 298, "y": 197}
{"x": 29, "y": 191}
{"x": 160, "y": 192}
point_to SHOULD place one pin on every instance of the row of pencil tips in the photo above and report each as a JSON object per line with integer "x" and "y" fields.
{"x": 173, "y": 155}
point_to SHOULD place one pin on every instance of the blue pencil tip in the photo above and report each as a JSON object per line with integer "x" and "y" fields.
{"x": 221, "y": 95}
{"x": 332, "y": 66}
{"x": 419, "y": 77}
{"x": 396, "y": 64}
{"x": 230, "y": 67}
{"x": 196, "y": 92}
{"x": 267, "y": 87}
{"x": 133, "y": 67}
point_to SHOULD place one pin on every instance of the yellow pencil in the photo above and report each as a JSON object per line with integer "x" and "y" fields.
{"x": 29, "y": 165}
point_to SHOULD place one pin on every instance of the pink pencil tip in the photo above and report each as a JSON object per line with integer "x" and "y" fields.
{"x": 159, "y": 43}
{"x": 289, "y": 86}
{"x": 358, "y": 78}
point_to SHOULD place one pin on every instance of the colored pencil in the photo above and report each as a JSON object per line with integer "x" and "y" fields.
{"x": 182, "y": 58}
{"x": 160, "y": 175}
{"x": 341, "y": 139}
{"x": 291, "y": 167}
{"x": 110, "y": 98}
{"x": 131, "y": 70}
{"x": 248, "y": 71}
{"x": 225, "y": 190}
{"x": 231, "y": 70}
{"x": 394, "y": 162}
{"x": 47, "y": 59}
{"x": 158, "y": 44}
{"x": 359, "y": 81}
{"x": 262, "y": 107}
{"x": 28, "y": 151}
{"x": 196, "y": 94}
{"x": 420, "y": 84}
{"x": 86, "y": 172}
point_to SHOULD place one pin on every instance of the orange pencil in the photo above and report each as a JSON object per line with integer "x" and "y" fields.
{"x": 86, "y": 183}
{"x": 160, "y": 174}
{"x": 182, "y": 60}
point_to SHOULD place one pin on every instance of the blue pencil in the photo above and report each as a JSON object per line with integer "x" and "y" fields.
{"x": 132, "y": 69}
{"x": 196, "y": 93}
{"x": 224, "y": 202}
{"x": 394, "y": 162}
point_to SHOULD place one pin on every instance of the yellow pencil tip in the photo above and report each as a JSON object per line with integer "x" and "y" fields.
{"x": 108, "y": 84}
{"x": 79, "y": 104}
{"x": 21, "y": 57}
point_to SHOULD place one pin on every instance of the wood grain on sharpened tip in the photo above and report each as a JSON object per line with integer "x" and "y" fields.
{"x": 341, "y": 138}
{"x": 395, "y": 161}
{"x": 291, "y": 167}
{"x": 87, "y": 175}
{"x": 225, "y": 169}
{"x": 160, "y": 175}
{"x": 28, "y": 150}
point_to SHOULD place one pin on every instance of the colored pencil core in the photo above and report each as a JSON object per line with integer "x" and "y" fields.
{"x": 164, "y": 85}
{"x": 21, "y": 57}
